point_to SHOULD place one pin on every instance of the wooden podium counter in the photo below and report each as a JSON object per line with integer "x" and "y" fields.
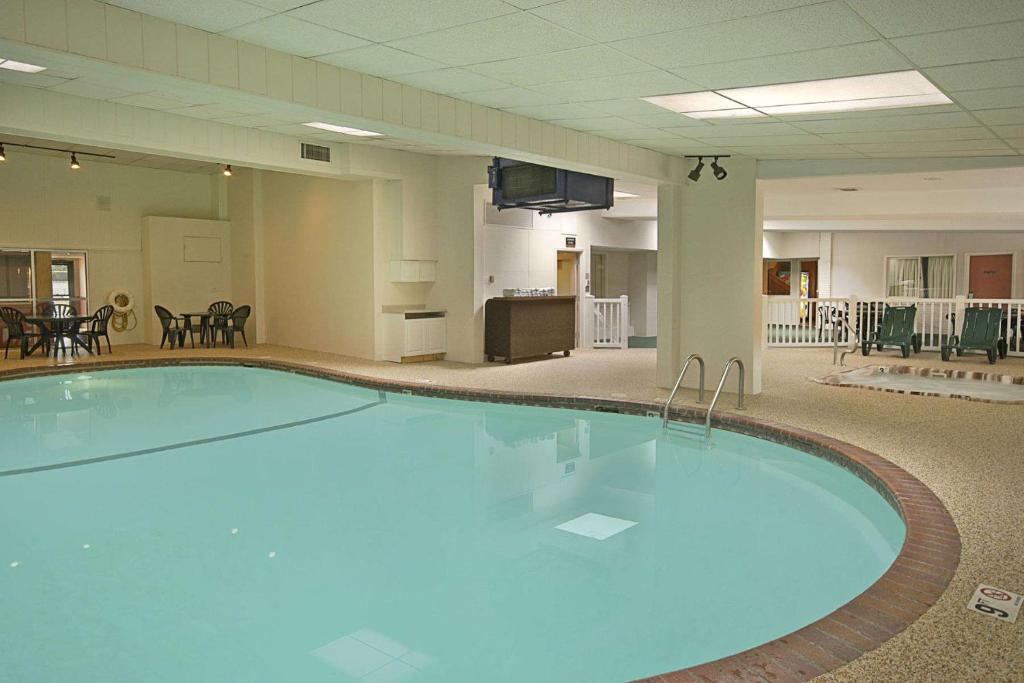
{"x": 525, "y": 326}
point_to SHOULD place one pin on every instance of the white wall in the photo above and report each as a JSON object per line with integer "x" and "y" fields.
{"x": 858, "y": 258}
{"x": 46, "y": 205}
{"x": 186, "y": 265}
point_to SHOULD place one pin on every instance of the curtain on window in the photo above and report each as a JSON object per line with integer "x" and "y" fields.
{"x": 940, "y": 277}
{"x": 905, "y": 277}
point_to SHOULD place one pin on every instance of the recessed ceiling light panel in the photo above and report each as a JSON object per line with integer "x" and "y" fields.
{"x": 24, "y": 67}
{"x": 358, "y": 132}
{"x": 875, "y": 91}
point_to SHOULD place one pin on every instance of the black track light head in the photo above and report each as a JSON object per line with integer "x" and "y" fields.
{"x": 3, "y": 154}
{"x": 74, "y": 162}
{"x": 694, "y": 175}
{"x": 719, "y": 172}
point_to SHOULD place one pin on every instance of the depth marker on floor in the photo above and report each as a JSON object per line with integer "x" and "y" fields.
{"x": 995, "y": 602}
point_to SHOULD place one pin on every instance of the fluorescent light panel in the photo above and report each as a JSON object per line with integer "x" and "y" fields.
{"x": 618, "y": 194}
{"x": 876, "y": 91}
{"x": 358, "y": 132}
{"x": 24, "y": 67}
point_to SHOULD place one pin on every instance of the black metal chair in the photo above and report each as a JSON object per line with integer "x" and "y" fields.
{"x": 17, "y": 330}
{"x": 238, "y": 318}
{"x": 171, "y": 325}
{"x": 98, "y": 328}
{"x": 220, "y": 312}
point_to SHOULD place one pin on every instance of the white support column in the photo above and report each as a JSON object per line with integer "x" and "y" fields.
{"x": 709, "y": 274}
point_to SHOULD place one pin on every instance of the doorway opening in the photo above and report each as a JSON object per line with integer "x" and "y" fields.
{"x": 567, "y": 281}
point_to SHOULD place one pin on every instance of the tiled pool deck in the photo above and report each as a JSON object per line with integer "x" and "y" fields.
{"x": 951, "y": 446}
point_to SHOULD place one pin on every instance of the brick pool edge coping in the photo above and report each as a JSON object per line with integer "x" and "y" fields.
{"x": 913, "y": 583}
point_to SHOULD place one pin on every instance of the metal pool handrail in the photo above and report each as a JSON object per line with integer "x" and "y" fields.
{"x": 718, "y": 392}
{"x": 853, "y": 334}
{"x": 679, "y": 381}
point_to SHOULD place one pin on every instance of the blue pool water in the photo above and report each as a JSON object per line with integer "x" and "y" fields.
{"x": 230, "y": 524}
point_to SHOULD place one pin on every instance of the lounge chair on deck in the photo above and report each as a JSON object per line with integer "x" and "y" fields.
{"x": 896, "y": 329}
{"x": 982, "y": 332}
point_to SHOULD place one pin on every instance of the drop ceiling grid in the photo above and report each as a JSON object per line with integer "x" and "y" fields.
{"x": 447, "y": 46}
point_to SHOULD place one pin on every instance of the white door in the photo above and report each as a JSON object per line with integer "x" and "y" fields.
{"x": 415, "y": 338}
{"x": 435, "y": 335}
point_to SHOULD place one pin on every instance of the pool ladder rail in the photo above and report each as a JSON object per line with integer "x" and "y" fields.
{"x": 700, "y": 394}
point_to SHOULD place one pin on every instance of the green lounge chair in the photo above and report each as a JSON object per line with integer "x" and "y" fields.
{"x": 897, "y": 329}
{"x": 982, "y": 332}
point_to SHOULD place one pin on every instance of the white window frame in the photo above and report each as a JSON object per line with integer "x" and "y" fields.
{"x": 885, "y": 271}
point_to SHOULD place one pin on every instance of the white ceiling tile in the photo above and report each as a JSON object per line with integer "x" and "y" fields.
{"x": 758, "y": 150}
{"x": 990, "y": 99}
{"x": 1001, "y": 41}
{"x": 210, "y": 16}
{"x": 530, "y": 4}
{"x": 667, "y": 119}
{"x": 729, "y": 130}
{"x": 1001, "y": 117}
{"x": 816, "y": 26}
{"x": 787, "y": 139}
{"x": 970, "y": 133}
{"x": 945, "y": 153}
{"x": 508, "y": 97}
{"x": 638, "y": 85}
{"x": 384, "y": 21}
{"x": 253, "y": 121}
{"x": 807, "y": 65}
{"x": 583, "y": 62}
{"x": 906, "y": 17}
{"x": 872, "y": 113}
{"x": 279, "y": 5}
{"x": 207, "y": 111}
{"x": 294, "y": 36}
{"x": 626, "y": 106}
{"x": 1000, "y": 73}
{"x": 638, "y": 133}
{"x": 40, "y": 80}
{"x": 450, "y": 81}
{"x": 514, "y": 35}
{"x": 1014, "y": 131}
{"x": 151, "y": 100}
{"x": 912, "y": 122}
{"x": 595, "y": 123}
{"x": 929, "y": 146}
{"x": 86, "y": 88}
{"x": 547, "y": 112}
{"x": 606, "y": 20}
{"x": 380, "y": 60}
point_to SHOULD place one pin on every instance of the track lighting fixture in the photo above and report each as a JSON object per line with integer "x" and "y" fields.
{"x": 227, "y": 170}
{"x": 74, "y": 162}
{"x": 719, "y": 172}
{"x": 694, "y": 175}
{"x": 3, "y": 154}
{"x": 74, "y": 155}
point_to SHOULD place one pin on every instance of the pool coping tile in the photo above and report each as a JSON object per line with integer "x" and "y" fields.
{"x": 914, "y": 582}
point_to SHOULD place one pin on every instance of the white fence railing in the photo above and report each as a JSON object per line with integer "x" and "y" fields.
{"x": 793, "y": 322}
{"x": 605, "y": 322}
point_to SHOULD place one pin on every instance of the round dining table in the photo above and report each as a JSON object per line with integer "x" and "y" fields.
{"x": 55, "y": 328}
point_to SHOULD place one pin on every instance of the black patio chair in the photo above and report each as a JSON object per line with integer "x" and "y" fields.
{"x": 98, "y": 328}
{"x": 60, "y": 331}
{"x": 238, "y": 318}
{"x": 220, "y": 312}
{"x": 54, "y": 310}
{"x": 17, "y": 330}
{"x": 171, "y": 325}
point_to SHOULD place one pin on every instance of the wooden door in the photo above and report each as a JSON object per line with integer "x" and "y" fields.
{"x": 991, "y": 276}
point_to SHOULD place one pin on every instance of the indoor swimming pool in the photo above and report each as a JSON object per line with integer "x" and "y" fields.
{"x": 227, "y": 523}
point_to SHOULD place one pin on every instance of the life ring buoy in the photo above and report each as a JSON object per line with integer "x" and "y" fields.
{"x": 122, "y": 301}
{"x": 123, "y": 319}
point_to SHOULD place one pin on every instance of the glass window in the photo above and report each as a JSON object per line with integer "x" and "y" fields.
{"x": 921, "y": 277}
{"x": 15, "y": 275}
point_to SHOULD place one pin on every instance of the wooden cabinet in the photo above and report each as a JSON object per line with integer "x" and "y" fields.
{"x": 413, "y": 271}
{"x": 520, "y": 327}
{"x": 414, "y": 335}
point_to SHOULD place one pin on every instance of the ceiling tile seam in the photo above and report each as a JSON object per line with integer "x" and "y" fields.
{"x": 690, "y": 26}
{"x": 919, "y": 68}
{"x": 256, "y": 21}
{"x": 515, "y": 10}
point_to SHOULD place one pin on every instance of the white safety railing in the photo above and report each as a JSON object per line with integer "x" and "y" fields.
{"x": 606, "y": 322}
{"x": 793, "y": 322}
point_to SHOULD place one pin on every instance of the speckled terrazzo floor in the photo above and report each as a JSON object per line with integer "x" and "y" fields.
{"x": 970, "y": 454}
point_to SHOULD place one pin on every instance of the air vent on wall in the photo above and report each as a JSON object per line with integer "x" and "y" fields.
{"x": 315, "y": 152}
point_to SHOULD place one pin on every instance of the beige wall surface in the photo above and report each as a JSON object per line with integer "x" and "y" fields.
{"x": 186, "y": 266}
{"x": 858, "y": 258}
{"x": 319, "y": 263}
{"x": 46, "y": 205}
